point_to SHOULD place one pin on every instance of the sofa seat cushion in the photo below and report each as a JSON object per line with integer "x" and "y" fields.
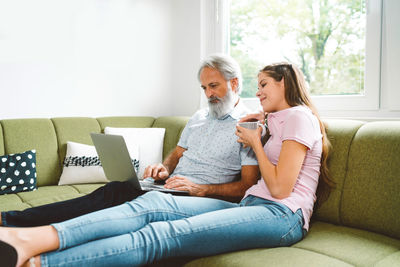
{"x": 285, "y": 256}
{"x": 354, "y": 246}
{"x": 391, "y": 260}
{"x": 12, "y": 202}
{"x": 325, "y": 245}
{"x": 44, "y": 195}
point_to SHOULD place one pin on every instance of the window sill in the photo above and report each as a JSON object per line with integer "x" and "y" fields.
{"x": 365, "y": 115}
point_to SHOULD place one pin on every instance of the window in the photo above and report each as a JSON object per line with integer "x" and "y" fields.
{"x": 336, "y": 43}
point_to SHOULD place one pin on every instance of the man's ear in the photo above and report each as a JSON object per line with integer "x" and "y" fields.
{"x": 234, "y": 84}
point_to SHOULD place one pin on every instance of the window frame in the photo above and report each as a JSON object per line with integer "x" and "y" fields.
{"x": 215, "y": 36}
{"x": 370, "y": 99}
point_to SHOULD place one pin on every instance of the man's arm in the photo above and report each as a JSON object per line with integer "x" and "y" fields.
{"x": 162, "y": 171}
{"x": 249, "y": 176}
{"x": 173, "y": 158}
{"x": 230, "y": 191}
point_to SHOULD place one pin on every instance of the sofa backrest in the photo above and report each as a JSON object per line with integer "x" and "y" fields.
{"x": 365, "y": 163}
{"x": 175, "y": 127}
{"x": 50, "y": 136}
{"x": 340, "y": 134}
{"x": 371, "y": 192}
{"x": 39, "y": 134}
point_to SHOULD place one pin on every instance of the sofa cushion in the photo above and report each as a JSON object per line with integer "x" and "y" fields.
{"x": 75, "y": 130}
{"x": 18, "y": 172}
{"x": 26, "y": 134}
{"x": 145, "y": 145}
{"x": 125, "y": 122}
{"x": 325, "y": 245}
{"x": 81, "y": 165}
{"x": 12, "y": 202}
{"x": 173, "y": 129}
{"x": 44, "y": 195}
{"x": 86, "y": 188}
{"x": 391, "y": 260}
{"x": 340, "y": 134}
{"x": 354, "y": 246}
{"x": 285, "y": 256}
{"x": 371, "y": 190}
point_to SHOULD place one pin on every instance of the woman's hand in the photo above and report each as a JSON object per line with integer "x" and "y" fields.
{"x": 254, "y": 117}
{"x": 248, "y": 137}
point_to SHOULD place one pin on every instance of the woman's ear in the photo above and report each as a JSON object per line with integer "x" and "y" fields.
{"x": 282, "y": 83}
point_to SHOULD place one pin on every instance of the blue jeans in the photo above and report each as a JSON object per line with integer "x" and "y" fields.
{"x": 157, "y": 226}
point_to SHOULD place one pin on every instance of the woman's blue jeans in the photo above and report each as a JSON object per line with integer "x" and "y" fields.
{"x": 157, "y": 226}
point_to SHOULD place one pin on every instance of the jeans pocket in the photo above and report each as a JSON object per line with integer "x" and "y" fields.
{"x": 295, "y": 233}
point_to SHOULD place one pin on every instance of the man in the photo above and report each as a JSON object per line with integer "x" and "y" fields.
{"x": 208, "y": 160}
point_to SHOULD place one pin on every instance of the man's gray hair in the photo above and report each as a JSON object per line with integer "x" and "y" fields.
{"x": 226, "y": 65}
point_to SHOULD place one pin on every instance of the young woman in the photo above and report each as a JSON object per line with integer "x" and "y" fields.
{"x": 274, "y": 212}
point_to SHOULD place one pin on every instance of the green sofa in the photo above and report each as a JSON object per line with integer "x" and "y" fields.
{"x": 49, "y": 138}
{"x": 359, "y": 225}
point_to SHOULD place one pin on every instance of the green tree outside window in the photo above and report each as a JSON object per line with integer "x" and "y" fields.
{"x": 324, "y": 38}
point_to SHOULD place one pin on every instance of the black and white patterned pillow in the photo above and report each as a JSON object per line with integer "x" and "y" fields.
{"x": 90, "y": 161}
{"x": 82, "y": 165}
{"x": 18, "y": 172}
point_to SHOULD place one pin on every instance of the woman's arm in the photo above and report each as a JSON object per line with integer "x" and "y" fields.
{"x": 280, "y": 179}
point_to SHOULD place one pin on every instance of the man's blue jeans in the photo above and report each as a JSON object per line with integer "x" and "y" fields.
{"x": 157, "y": 226}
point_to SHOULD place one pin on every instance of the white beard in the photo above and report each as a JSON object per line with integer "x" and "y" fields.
{"x": 224, "y": 106}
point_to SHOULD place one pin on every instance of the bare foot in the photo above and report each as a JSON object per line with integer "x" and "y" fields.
{"x": 29, "y": 242}
{"x": 36, "y": 262}
{"x": 13, "y": 238}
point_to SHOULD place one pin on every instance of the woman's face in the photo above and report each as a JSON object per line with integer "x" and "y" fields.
{"x": 271, "y": 93}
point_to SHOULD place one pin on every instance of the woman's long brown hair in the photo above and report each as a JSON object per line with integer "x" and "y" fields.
{"x": 296, "y": 94}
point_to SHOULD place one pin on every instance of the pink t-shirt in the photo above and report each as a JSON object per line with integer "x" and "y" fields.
{"x": 298, "y": 124}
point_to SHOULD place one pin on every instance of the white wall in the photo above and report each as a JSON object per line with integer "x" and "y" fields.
{"x": 97, "y": 58}
{"x": 126, "y": 57}
{"x": 186, "y": 51}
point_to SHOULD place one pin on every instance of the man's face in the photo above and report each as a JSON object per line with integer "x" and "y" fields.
{"x": 213, "y": 83}
{"x": 219, "y": 92}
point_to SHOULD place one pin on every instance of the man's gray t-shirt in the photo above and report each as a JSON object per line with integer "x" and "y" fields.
{"x": 213, "y": 155}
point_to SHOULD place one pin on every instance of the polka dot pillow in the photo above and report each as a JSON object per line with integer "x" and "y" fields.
{"x": 18, "y": 172}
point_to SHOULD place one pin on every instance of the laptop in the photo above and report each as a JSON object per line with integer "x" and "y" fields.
{"x": 117, "y": 163}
